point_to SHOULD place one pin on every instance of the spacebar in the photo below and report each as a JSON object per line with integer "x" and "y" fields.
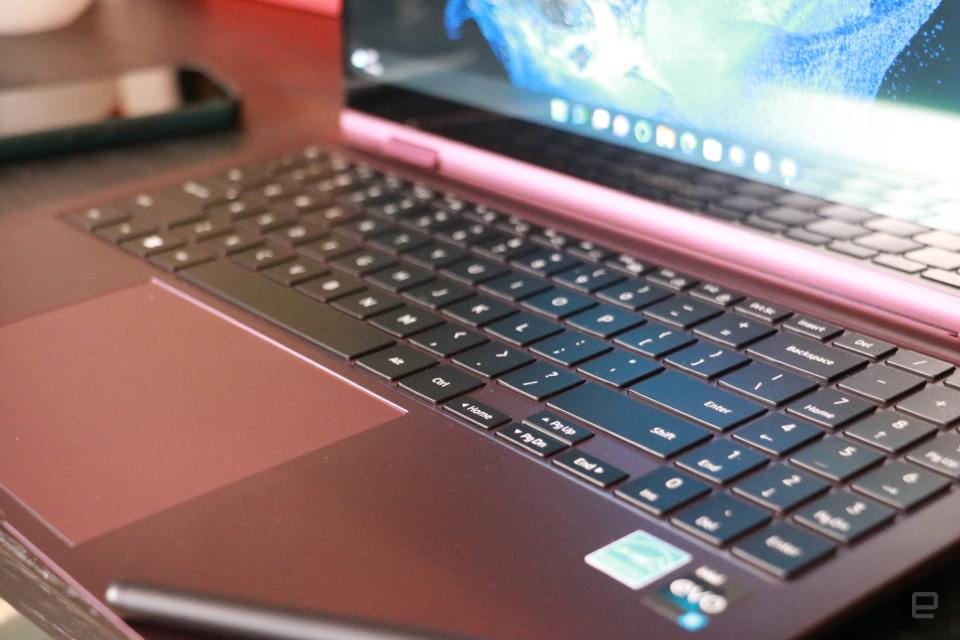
{"x": 295, "y": 312}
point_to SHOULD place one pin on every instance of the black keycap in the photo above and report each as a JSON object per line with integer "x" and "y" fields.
{"x": 777, "y": 433}
{"x": 476, "y": 413}
{"x": 733, "y": 330}
{"x": 365, "y": 304}
{"x": 545, "y": 262}
{"x": 901, "y": 485}
{"x": 935, "y": 404}
{"x": 539, "y": 380}
{"x": 836, "y": 458}
{"x": 654, "y": 339}
{"x": 559, "y": 428}
{"x": 589, "y": 468}
{"x": 881, "y": 383}
{"x": 438, "y": 294}
{"x": 203, "y": 230}
{"x": 604, "y": 320}
{"x": 466, "y": 233}
{"x": 721, "y": 461}
{"x": 587, "y": 250}
{"x": 767, "y": 383}
{"x": 569, "y": 348}
{"x": 536, "y": 442}
{"x": 780, "y": 488}
{"x": 761, "y": 310}
{"x": 889, "y": 431}
{"x": 864, "y": 345}
{"x": 506, "y": 247}
{"x": 515, "y": 286}
{"x": 362, "y": 262}
{"x": 696, "y": 400}
{"x": 715, "y": 294}
{"x": 811, "y": 327}
{"x": 396, "y": 362}
{"x": 295, "y": 234}
{"x": 705, "y": 360}
{"x": 478, "y": 310}
{"x": 681, "y": 311}
{"x": 399, "y": 241}
{"x": 619, "y": 368}
{"x": 922, "y": 365}
{"x": 492, "y": 359}
{"x": 588, "y": 277}
{"x": 634, "y": 294}
{"x": 671, "y": 279}
{"x": 473, "y": 271}
{"x": 266, "y": 221}
{"x": 783, "y": 549}
{"x": 97, "y": 217}
{"x": 953, "y": 381}
{"x": 363, "y": 227}
{"x": 330, "y": 287}
{"x": 262, "y": 257}
{"x": 400, "y": 277}
{"x": 829, "y": 408}
{"x": 558, "y": 303}
{"x": 942, "y": 454}
{"x": 164, "y": 210}
{"x": 236, "y": 209}
{"x": 405, "y": 320}
{"x": 439, "y": 384}
{"x": 296, "y": 271}
{"x": 820, "y": 361}
{"x": 720, "y": 519}
{"x": 523, "y": 328}
{"x": 844, "y": 516}
{"x": 630, "y": 265}
{"x": 662, "y": 490}
{"x": 328, "y": 248}
{"x": 295, "y": 312}
{"x": 153, "y": 244}
{"x": 182, "y": 258}
{"x": 447, "y": 339}
{"x": 427, "y": 219}
{"x": 650, "y": 429}
{"x": 435, "y": 255}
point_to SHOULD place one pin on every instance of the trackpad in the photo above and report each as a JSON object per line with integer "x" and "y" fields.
{"x": 130, "y": 403}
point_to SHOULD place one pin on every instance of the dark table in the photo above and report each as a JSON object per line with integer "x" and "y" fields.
{"x": 286, "y": 66}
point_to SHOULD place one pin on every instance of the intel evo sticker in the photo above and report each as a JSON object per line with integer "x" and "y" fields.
{"x": 637, "y": 559}
{"x": 692, "y": 600}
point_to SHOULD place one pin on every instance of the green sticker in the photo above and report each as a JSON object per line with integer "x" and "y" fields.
{"x": 637, "y": 559}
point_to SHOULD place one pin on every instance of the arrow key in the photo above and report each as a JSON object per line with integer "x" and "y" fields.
{"x": 777, "y": 434}
{"x": 589, "y": 468}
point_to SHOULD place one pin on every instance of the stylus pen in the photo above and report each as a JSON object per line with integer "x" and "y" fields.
{"x": 214, "y": 615}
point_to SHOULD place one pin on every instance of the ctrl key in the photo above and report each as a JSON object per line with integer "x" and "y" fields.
{"x": 783, "y": 549}
{"x": 440, "y": 383}
{"x": 536, "y": 442}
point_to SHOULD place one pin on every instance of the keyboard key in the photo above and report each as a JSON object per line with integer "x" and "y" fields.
{"x": 780, "y": 488}
{"x": 715, "y": 294}
{"x": 634, "y": 294}
{"x": 589, "y": 468}
{"x": 929, "y": 368}
{"x": 829, "y": 408}
{"x": 539, "y": 380}
{"x": 435, "y": 255}
{"x": 886, "y": 243}
{"x": 97, "y": 217}
{"x": 837, "y": 229}
{"x": 654, "y": 339}
{"x": 405, "y": 320}
{"x": 734, "y": 331}
{"x": 396, "y": 362}
{"x": 558, "y": 303}
{"x": 447, "y": 339}
{"x": 889, "y": 431}
{"x": 473, "y": 271}
{"x": 630, "y": 265}
{"x": 515, "y": 286}
{"x": 439, "y": 384}
{"x": 848, "y": 248}
{"x": 720, "y": 519}
{"x": 397, "y": 241}
{"x": 505, "y": 248}
{"x": 262, "y": 257}
{"x": 400, "y": 278}
{"x": 182, "y": 258}
{"x": 671, "y": 279}
{"x": 662, "y": 490}
{"x": 478, "y": 310}
{"x": 363, "y": 262}
{"x": 492, "y": 359}
{"x": 153, "y": 244}
{"x": 293, "y": 235}
{"x": 569, "y": 348}
{"x": 721, "y": 461}
{"x": 294, "y": 272}
{"x": 619, "y": 368}
{"x": 204, "y": 230}
{"x": 935, "y": 404}
{"x": 290, "y": 310}
{"x": 881, "y": 383}
{"x": 901, "y": 485}
{"x": 705, "y": 360}
{"x": 822, "y": 362}
{"x": 942, "y": 454}
{"x": 560, "y": 428}
{"x": 650, "y": 429}
{"x": 681, "y": 311}
{"x": 899, "y": 263}
{"x": 266, "y": 221}
{"x": 766, "y": 311}
{"x": 330, "y": 287}
{"x": 545, "y": 262}
{"x": 696, "y": 400}
{"x": 863, "y": 345}
{"x": 767, "y": 384}
{"x": 437, "y": 294}
{"x": 783, "y": 550}
{"x": 811, "y": 327}
{"x": 836, "y": 458}
{"x": 777, "y": 434}
{"x": 949, "y": 278}
{"x": 588, "y": 278}
{"x": 604, "y": 320}
{"x": 328, "y": 248}
{"x": 587, "y": 250}
{"x": 476, "y": 413}
{"x": 365, "y": 304}
{"x": 531, "y": 440}
{"x": 844, "y": 516}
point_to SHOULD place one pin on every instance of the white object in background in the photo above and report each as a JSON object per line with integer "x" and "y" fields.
{"x": 30, "y": 16}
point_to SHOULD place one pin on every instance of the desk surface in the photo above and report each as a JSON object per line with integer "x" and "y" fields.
{"x": 286, "y": 66}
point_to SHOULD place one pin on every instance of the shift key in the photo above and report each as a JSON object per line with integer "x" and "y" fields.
{"x": 697, "y": 400}
{"x": 813, "y": 358}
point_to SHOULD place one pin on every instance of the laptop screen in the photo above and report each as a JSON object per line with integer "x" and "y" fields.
{"x": 856, "y": 101}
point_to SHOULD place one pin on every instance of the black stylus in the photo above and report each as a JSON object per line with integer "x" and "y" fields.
{"x": 187, "y": 611}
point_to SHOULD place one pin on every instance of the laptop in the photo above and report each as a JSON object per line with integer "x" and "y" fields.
{"x": 604, "y": 319}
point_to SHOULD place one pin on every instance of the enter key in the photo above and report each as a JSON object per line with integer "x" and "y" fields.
{"x": 697, "y": 400}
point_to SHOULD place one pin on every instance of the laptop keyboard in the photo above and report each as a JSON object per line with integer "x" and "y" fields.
{"x": 780, "y": 436}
